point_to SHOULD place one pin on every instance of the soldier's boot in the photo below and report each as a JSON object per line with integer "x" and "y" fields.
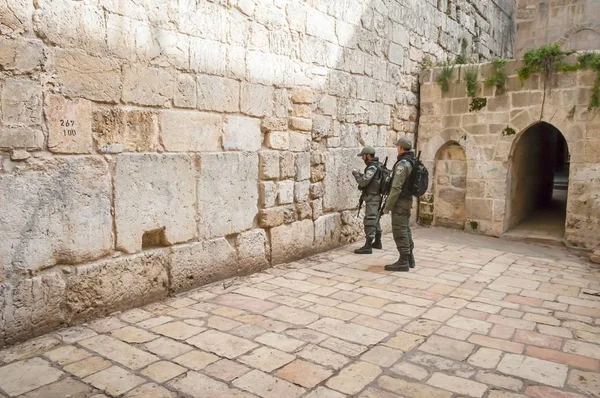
{"x": 366, "y": 249}
{"x": 399, "y": 266}
{"x": 411, "y": 260}
{"x": 377, "y": 243}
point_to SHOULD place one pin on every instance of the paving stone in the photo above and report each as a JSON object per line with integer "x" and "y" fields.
{"x": 445, "y": 365}
{"x": 502, "y": 332}
{"x": 304, "y": 373}
{"x": 354, "y": 378}
{"x": 515, "y": 323}
{"x": 471, "y": 325}
{"x": 118, "y": 351}
{"x": 355, "y": 333}
{"x": 67, "y": 354}
{"x": 498, "y": 344}
{"x": 585, "y": 382}
{"x": 178, "y": 330}
{"x": 411, "y": 389}
{"x": 548, "y": 392}
{"x": 200, "y": 386}
{"x": 163, "y": 371}
{"x": 370, "y": 301}
{"x": 332, "y": 312}
{"x": 245, "y": 303}
{"x": 517, "y": 282}
{"x": 167, "y": 348}
{"x": 226, "y": 370}
{"x": 472, "y": 314}
{"x": 457, "y": 385}
{"x": 343, "y": 347}
{"x": 538, "y": 370}
{"x": 404, "y": 341}
{"x": 497, "y": 380}
{"x": 87, "y": 366}
{"x": 150, "y": 390}
{"x": 323, "y": 356}
{"x": 382, "y": 356}
{"x": 323, "y": 392}
{"x": 449, "y": 348}
{"x": 75, "y": 334}
{"x": 505, "y": 394}
{"x": 439, "y": 314}
{"x": 577, "y": 361}
{"x": 555, "y": 331}
{"x": 405, "y": 309}
{"x": 106, "y": 325}
{"x": 376, "y": 393}
{"x": 360, "y": 309}
{"x": 292, "y": 315}
{"x": 152, "y": 322}
{"x": 222, "y": 344}
{"x": 280, "y": 342}
{"x": 28, "y": 349}
{"x": 186, "y": 313}
{"x": 114, "y": 380}
{"x": 582, "y": 348}
{"x": 28, "y": 375}
{"x": 409, "y": 370}
{"x": 512, "y": 313}
{"x": 266, "y": 359}
{"x": 453, "y": 303}
{"x": 423, "y": 327}
{"x": 375, "y": 323}
{"x": 267, "y": 386}
{"x": 540, "y": 340}
{"x": 486, "y": 358}
{"x": 457, "y": 334}
{"x": 307, "y": 335}
{"x": 220, "y": 323}
{"x": 196, "y": 359}
{"x": 130, "y": 334}
{"x": 547, "y": 320}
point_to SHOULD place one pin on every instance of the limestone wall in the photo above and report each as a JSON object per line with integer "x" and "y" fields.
{"x": 573, "y": 23}
{"x": 491, "y": 136}
{"x": 148, "y": 147}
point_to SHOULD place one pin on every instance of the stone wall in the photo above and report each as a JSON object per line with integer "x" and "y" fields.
{"x": 149, "y": 147}
{"x": 574, "y": 24}
{"x": 491, "y": 138}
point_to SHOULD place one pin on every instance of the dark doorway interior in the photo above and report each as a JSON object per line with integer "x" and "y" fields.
{"x": 539, "y": 180}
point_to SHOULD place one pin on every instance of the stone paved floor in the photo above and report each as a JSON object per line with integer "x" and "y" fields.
{"x": 470, "y": 321}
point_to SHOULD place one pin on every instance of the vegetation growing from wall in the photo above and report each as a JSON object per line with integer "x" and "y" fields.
{"x": 477, "y": 104}
{"x": 471, "y": 81}
{"x": 498, "y": 77}
{"x": 445, "y": 74}
{"x": 461, "y": 59}
{"x": 592, "y": 61}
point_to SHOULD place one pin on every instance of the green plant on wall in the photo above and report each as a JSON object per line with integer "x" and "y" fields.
{"x": 590, "y": 60}
{"x": 443, "y": 78}
{"x": 461, "y": 59}
{"x": 508, "y": 131}
{"x": 471, "y": 81}
{"x": 498, "y": 76}
{"x": 477, "y": 104}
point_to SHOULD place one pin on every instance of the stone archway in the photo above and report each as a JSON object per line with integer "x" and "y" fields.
{"x": 537, "y": 186}
{"x": 450, "y": 179}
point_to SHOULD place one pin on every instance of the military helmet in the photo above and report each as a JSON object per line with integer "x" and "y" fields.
{"x": 367, "y": 151}
{"x": 404, "y": 143}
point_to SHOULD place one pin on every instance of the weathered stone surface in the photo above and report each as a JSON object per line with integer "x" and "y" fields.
{"x": 162, "y": 212}
{"x": 114, "y": 380}
{"x": 21, "y": 377}
{"x": 253, "y": 250}
{"x": 241, "y": 134}
{"x": 269, "y": 218}
{"x": 328, "y": 229}
{"x": 69, "y": 124}
{"x": 218, "y": 94}
{"x": 190, "y": 131}
{"x": 538, "y": 370}
{"x": 21, "y": 102}
{"x": 198, "y": 385}
{"x": 74, "y": 229}
{"x": 82, "y": 75}
{"x": 105, "y": 286}
{"x": 257, "y": 100}
{"x": 21, "y": 137}
{"x": 220, "y": 208}
{"x": 133, "y": 129}
{"x": 148, "y": 86}
{"x": 292, "y": 241}
{"x": 269, "y": 164}
{"x": 339, "y": 180}
{"x": 222, "y": 344}
{"x": 200, "y": 263}
{"x": 185, "y": 91}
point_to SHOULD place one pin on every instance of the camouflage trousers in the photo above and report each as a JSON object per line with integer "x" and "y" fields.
{"x": 371, "y": 220}
{"x": 401, "y": 231}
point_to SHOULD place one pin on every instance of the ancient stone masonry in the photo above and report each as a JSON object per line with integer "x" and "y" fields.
{"x": 149, "y": 147}
{"x": 500, "y": 162}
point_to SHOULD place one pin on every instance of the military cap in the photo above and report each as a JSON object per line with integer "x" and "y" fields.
{"x": 367, "y": 151}
{"x": 404, "y": 143}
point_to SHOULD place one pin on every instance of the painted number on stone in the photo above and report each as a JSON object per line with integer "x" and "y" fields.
{"x": 68, "y": 123}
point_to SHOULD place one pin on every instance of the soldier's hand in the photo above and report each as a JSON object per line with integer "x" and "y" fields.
{"x": 355, "y": 173}
{"x": 384, "y": 212}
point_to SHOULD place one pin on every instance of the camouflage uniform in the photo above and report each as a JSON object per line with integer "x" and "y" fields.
{"x": 368, "y": 183}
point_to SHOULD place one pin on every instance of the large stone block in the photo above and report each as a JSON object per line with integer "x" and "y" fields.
{"x": 69, "y": 124}
{"x": 269, "y": 164}
{"x": 208, "y": 56}
{"x": 257, "y": 100}
{"x": 241, "y": 134}
{"x": 328, "y": 230}
{"x": 218, "y": 94}
{"x": 292, "y": 241}
{"x": 191, "y": 131}
{"x": 227, "y": 202}
{"x": 155, "y": 200}
{"x": 21, "y": 137}
{"x": 66, "y": 23}
{"x": 120, "y": 283}
{"x": 55, "y": 211}
{"x": 200, "y": 263}
{"x": 185, "y": 91}
{"x": 253, "y": 251}
{"x": 341, "y": 191}
{"x": 135, "y": 130}
{"x": 82, "y": 75}
{"x": 16, "y": 16}
{"x": 148, "y": 86}
{"x": 20, "y": 55}
{"x": 21, "y": 102}
{"x": 302, "y": 166}
{"x": 31, "y": 306}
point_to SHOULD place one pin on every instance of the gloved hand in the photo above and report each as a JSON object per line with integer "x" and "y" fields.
{"x": 355, "y": 173}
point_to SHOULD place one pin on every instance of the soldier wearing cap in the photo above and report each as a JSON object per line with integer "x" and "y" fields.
{"x": 368, "y": 183}
{"x": 399, "y": 203}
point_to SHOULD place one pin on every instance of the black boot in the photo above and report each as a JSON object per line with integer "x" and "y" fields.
{"x": 377, "y": 243}
{"x": 399, "y": 266}
{"x": 366, "y": 249}
{"x": 411, "y": 260}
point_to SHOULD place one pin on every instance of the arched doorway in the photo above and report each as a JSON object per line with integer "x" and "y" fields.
{"x": 538, "y": 179}
{"x": 450, "y": 186}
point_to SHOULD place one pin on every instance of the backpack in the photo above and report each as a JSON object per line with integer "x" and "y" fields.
{"x": 419, "y": 178}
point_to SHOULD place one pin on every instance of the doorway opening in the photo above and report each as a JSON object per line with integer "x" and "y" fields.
{"x": 450, "y": 181}
{"x": 536, "y": 204}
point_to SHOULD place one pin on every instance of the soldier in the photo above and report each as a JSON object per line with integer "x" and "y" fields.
{"x": 368, "y": 183}
{"x": 399, "y": 202}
